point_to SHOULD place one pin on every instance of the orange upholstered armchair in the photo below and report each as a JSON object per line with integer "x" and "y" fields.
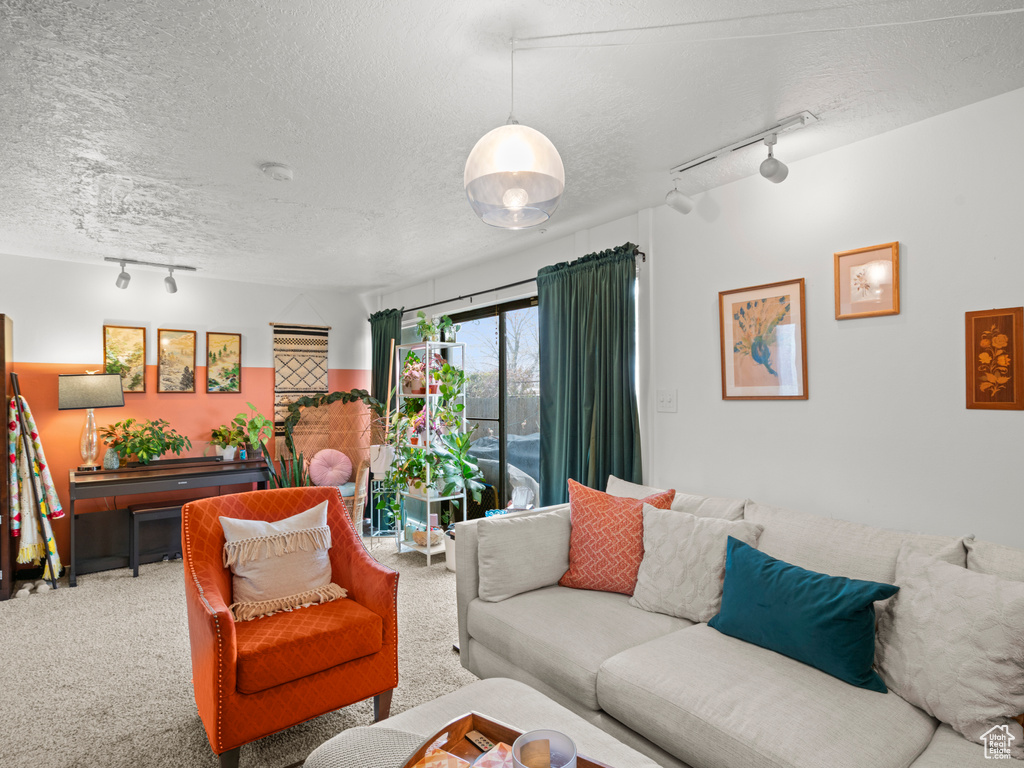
{"x": 255, "y": 678}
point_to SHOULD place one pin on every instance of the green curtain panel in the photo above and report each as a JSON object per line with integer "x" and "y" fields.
{"x": 590, "y": 426}
{"x": 384, "y": 326}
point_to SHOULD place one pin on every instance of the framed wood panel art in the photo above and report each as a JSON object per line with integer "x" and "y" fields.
{"x": 995, "y": 353}
{"x": 868, "y": 281}
{"x": 176, "y": 364}
{"x": 124, "y": 353}
{"x": 764, "y": 342}
{"x": 223, "y": 363}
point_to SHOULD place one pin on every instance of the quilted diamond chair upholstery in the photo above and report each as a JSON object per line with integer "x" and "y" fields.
{"x": 255, "y": 678}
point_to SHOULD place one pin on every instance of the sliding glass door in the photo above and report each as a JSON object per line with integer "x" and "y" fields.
{"x": 503, "y": 395}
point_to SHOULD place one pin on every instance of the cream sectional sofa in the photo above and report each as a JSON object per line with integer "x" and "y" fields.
{"x": 683, "y": 693}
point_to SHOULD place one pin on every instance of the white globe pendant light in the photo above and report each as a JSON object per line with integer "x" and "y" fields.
{"x": 514, "y": 176}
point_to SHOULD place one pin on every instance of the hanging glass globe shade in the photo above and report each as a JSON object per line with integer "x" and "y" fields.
{"x": 514, "y": 177}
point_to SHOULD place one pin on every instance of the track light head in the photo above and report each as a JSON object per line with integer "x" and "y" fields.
{"x": 679, "y": 202}
{"x": 169, "y": 283}
{"x": 123, "y": 279}
{"x": 774, "y": 170}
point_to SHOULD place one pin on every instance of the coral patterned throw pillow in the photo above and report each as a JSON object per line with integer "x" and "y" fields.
{"x": 607, "y": 540}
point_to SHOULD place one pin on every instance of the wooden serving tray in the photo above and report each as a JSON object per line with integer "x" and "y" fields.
{"x": 455, "y": 742}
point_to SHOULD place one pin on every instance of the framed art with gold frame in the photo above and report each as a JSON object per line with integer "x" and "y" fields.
{"x": 764, "y": 342}
{"x": 223, "y": 363}
{"x": 124, "y": 353}
{"x": 868, "y": 281}
{"x": 176, "y": 361}
{"x": 995, "y": 353}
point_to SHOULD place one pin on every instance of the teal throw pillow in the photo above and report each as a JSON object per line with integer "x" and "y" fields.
{"x": 825, "y": 621}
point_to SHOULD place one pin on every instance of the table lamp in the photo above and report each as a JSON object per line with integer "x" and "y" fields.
{"x": 85, "y": 390}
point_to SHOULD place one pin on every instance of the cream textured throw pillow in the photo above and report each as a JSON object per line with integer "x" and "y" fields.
{"x": 950, "y": 643}
{"x": 279, "y": 566}
{"x": 702, "y": 506}
{"x": 684, "y": 562}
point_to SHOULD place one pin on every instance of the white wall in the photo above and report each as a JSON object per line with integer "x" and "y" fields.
{"x": 59, "y": 310}
{"x": 885, "y": 438}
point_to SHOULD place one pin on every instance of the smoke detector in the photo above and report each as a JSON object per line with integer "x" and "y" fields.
{"x": 277, "y": 171}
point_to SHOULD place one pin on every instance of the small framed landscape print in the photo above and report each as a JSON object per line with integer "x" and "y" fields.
{"x": 176, "y": 364}
{"x": 223, "y": 362}
{"x": 764, "y": 344}
{"x": 868, "y": 281}
{"x": 995, "y": 353}
{"x": 124, "y": 353}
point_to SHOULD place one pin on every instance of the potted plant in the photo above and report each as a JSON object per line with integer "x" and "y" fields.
{"x": 448, "y": 328}
{"x": 255, "y": 428}
{"x": 414, "y": 375}
{"x": 147, "y": 440}
{"x": 426, "y": 328}
{"x": 226, "y": 439}
{"x": 451, "y": 384}
{"x": 455, "y": 468}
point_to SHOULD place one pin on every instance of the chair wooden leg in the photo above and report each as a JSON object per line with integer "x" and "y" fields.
{"x": 229, "y": 759}
{"x": 382, "y": 705}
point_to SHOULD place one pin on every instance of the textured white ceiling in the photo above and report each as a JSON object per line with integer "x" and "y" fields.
{"x": 136, "y": 128}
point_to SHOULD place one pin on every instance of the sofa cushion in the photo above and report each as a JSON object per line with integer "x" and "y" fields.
{"x": 948, "y": 749}
{"x": 684, "y": 562}
{"x": 563, "y": 635}
{"x": 836, "y": 547}
{"x": 606, "y": 543}
{"x": 521, "y": 553}
{"x": 825, "y": 621}
{"x": 995, "y": 560}
{"x": 718, "y": 702}
{"x": 286, "y": 646}
{"x": 951, "y": 644}
{"x": 702, "y": 506}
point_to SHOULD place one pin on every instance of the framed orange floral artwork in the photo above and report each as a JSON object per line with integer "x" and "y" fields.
{"x": 995, "y": 353}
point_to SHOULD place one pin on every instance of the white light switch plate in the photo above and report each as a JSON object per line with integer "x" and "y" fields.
{"x": 667, "y": 401}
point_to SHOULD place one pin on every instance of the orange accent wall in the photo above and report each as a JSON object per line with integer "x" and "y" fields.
{"x": 191, "y": 414}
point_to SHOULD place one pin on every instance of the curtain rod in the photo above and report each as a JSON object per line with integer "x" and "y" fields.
{"x": 471, "y": 295}
{"x": 638, "y": 252}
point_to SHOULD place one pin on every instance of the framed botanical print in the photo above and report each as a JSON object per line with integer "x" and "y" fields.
{"x": 176, "y": 364}
{"x": 223, "y": 362}
{"x": 995, "y": 353}
{"x": 764, "y": 342}
{"x": 124, "y": 353}
{"x": 868, "y": 281}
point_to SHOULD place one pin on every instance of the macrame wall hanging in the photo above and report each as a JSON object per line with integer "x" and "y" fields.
{"x": 300, "y": 369}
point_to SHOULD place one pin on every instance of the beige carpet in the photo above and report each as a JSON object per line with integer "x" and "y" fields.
{"x": 98, "y": 676}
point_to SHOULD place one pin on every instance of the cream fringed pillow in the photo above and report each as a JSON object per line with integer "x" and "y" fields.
{"x": 281, "y": 565}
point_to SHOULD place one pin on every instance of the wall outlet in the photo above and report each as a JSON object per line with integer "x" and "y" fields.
{"x": 667, "y": 401}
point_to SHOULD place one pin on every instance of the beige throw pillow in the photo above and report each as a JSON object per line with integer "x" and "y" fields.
{"x": 702, "y": 506}
{"x": 281, "y": 565}
{"x": 684, "y": 562}
{"x": 520, "y": 553}
{"x": 950, "y": 643}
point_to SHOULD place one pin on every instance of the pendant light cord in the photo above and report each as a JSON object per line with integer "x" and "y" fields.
{"x": 512, "y": 87}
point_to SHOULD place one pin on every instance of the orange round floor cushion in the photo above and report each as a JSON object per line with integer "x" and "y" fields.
{"x": 607, "y": 540}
